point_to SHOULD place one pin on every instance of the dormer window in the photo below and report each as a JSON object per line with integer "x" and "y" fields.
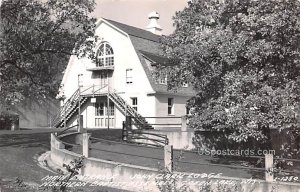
{"x": 162, "y": 78}
{"x": 105, "y": 55}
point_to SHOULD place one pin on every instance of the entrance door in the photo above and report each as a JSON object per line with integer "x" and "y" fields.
{"x": 104, "y": 116}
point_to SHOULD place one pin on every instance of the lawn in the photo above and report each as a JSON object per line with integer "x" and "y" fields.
{"x": 112, "y": 149}
{"x": 21, "y": 171}
{"x": 19, "y": 167}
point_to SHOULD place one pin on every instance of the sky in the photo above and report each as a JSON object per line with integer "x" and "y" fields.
{"x": 135, "y": 12}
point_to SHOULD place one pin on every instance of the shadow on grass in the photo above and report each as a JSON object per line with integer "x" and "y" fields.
{"x": 26, "y": 140}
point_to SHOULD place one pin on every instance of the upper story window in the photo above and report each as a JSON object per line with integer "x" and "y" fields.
{"x": 105, "y": 55}
{"x": 163, "y": 78}
{"x": 134, "y": 102}
{"x": 129, "y": 76}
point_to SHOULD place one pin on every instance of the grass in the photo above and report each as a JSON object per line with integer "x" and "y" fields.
{"x": 19, "y": 170}
{"x": 153, "y": 157}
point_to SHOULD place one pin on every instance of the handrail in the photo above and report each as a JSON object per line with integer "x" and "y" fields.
{"x": 66, "y": 129}
{"x": 154, "y": 134}
{"x": 159, "y": 124}
{"x": 68, "y": 108}
{"x": 72, "y": 101}
{"x": 167, "y": 117}
{"x": 155, "y": 140}
{"x": 286, "y": 159}
{"x": 136, "y": 116}
{"x": 94, "y": 91}
{"x": 154, "y": 145}
{"x": 138, "y": 134}
{"x": 86, "y": 89}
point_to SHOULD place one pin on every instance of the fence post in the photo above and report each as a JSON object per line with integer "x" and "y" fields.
{"x": 56, "y": 143}
{"x": 52, "y": 140}
{"x": 183, "y": 123}
{"x": 124, "y": 132}
{"x": 80, "y": 123}
{"x": 168, "y": 158}
{"x": 128, "y": 123}
{"x": 269, "y": 175}
{"x": 85, "y": 144}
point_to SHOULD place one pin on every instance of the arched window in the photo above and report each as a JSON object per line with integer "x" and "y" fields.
{"x": 105, "y": 55}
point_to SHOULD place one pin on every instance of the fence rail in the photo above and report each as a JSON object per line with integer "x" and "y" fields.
{"x": 166, "y": 117}
{"x": 154, "y": 134}
{"x": 142, "y": 137}
{"x": 68, "y": 128}
{"x": 168, "y": 159}
{"x": 158, "y": 124}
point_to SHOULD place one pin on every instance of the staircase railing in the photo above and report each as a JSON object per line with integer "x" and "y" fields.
{"x": 94, "y": 90}
{"x": 140, "y": 122}
{"x": 66, "y": 108}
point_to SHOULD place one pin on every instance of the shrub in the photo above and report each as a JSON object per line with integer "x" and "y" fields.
{"x": 7, "y": 120}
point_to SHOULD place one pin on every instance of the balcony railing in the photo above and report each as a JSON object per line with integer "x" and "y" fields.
{"x": 96, "y": 67}
{"x": 94, "y": 90}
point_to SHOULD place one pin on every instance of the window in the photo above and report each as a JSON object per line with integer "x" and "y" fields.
{"x": 128, "y": 76}
{"x": 170, "y": 106}
{"x": 105, "y": 55}
{"x": 162, "y": 78}
{"x": 111, "y": 111}
{"x": 134, "y": 103}
{"x": 99, "y": 109}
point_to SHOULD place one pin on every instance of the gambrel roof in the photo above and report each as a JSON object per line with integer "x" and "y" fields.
{"x": 136, "y": 32}
{"x": 148, "y": 47}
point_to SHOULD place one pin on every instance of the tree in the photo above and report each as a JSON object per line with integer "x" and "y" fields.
{"x": 37, "y": 39}
{"x": 242, "y": 57}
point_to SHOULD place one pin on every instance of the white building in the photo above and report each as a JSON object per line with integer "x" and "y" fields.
{"x": 126, "y": 59}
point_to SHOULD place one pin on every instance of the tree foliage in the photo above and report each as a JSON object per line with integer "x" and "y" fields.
{"x": 37, "y": 39}
{"x": 242, "y": 57}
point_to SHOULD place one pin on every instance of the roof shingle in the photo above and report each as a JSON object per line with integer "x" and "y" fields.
{"x": 134, "y": 31}
{"x": 147, "y": 44}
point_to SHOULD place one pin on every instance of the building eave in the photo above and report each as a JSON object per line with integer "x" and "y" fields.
{"x": 169, "y": 94}
{"x": 103, "y": 20}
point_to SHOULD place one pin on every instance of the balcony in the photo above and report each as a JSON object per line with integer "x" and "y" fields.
{"x": 100, "y": 67}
